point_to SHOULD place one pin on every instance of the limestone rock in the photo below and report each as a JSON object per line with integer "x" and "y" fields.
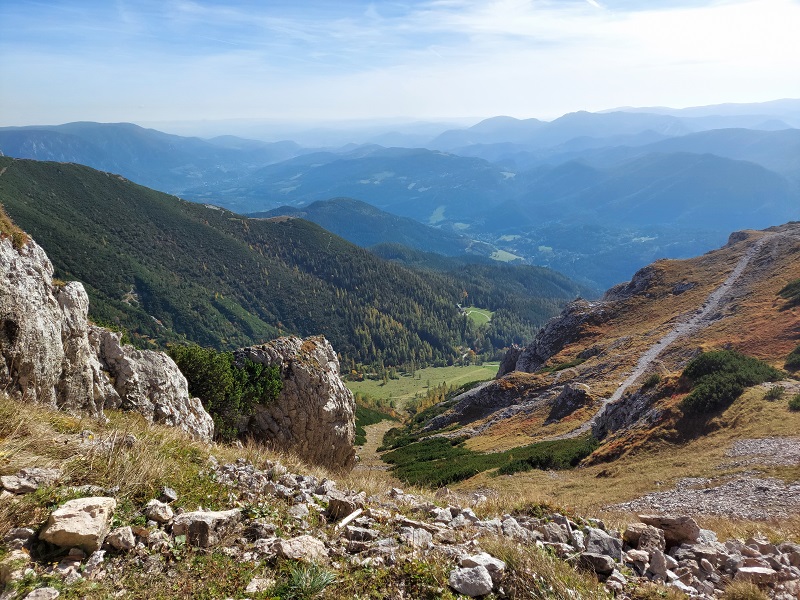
{"x": 29, "y": 480}
{"x": 599, "y": 563}
{"x": 49, "y": 353}
{"x": 571, "y": 398}
{"x": 471, "y": 581}
{"x": 205, "y": 529}
{"x": 305, "y": 548}
{"x": 495, "y": 566}
{"x": 757, "y": 575}
{"x": 314, "y": 416}
{"x": 599, "y": 542}
{"x": 150, "y": 383}
{"x": 45, "y": 593}
{"x": 556, "y": 334}
{"x": 158, "y": 511}
{"x": 340, "y": 505}
{"x": 122, "y": 538}
{"x": 509, "y": 362}
{"x": 83, "y": 523}
{"x": 43, "y": 343}
{"x": 677, "y": 530}
{"x": 416, "y": 538}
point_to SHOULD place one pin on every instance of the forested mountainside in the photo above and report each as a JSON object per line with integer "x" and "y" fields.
{"x": 166, "y": 269}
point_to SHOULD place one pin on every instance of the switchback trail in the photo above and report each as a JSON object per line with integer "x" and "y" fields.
{"x": 701, "y": 319}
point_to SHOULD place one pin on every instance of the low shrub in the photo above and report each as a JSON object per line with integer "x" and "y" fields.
{"x": 743, "y": 590}
{"x": 652, "y": 380}
{"x": 367, "y": 416}
{"x": 228, "y": 391}
{"x": 776, "y": 392}
{"x": 791, "y": 293}
{"x": 439, "y": 461}
{"x": 794, "y": 403}
{"x": 793, "y": 360}
{"x": 720, "y": 377}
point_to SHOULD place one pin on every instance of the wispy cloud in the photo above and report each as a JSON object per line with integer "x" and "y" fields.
{"x": 150, "y": 59}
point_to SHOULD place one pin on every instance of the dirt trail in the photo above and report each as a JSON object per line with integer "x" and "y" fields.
{"x": 369, "y": 460}
{"x": 701, "y": 319}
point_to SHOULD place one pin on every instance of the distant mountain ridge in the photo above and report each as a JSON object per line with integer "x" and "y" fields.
{"x": 594, "y": 195}
{"x": 153, "y": 158}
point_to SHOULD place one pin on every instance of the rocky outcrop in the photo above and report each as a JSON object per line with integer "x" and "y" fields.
{"x": 314, "y": 416}
{"x": 49, "y": 352}
{"x": 45, "y": 355}
{"x": 670, "y": 553}
{"x": 149, "y": 383}
{"x": 554, "y": 336}
{"x": 571, "y": 398}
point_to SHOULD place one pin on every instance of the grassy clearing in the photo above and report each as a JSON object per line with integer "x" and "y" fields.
{"x": 479, "y": 316}
{"x": 407, "y": 387}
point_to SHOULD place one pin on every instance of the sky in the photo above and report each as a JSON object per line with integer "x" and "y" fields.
{"x": 326, "y": 60}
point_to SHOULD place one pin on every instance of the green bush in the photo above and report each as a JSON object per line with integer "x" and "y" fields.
{"x": 794, "y": 403}
{"x": 793, "y": 360}
{"x": 776, "y": 392}
{"x": 720, "y": 377}
{"x": 228, "y": 391}
{"x": 439, "y": 461}
{"x": 652, "y": 380}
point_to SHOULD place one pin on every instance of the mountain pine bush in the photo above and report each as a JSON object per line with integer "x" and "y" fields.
{"x": 718, "y": 378}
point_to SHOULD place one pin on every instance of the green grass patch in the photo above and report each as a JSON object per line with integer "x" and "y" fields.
{"x": 438, "y": 461}
{"x": 718, "y": 378}
{"x": 794, "y": 403}
{"x": 479, "y": 316}
{"x": 407, "y": 386}
{"x": 561, "y": 366}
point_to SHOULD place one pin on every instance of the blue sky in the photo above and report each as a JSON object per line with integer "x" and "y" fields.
{"x": 168, "y": 60}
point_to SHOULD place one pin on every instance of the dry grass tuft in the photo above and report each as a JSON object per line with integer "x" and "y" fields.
{"x": 534, "y": 573}
{"x": 741, "y": 590}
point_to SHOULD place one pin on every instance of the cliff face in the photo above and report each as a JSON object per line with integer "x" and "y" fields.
{"x": 50, "y": 353}
{"x": 314, "y": 416}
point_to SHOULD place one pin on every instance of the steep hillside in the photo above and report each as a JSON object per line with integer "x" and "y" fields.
{"x": 617, "y": 369}
{"x": 167, "y": 269}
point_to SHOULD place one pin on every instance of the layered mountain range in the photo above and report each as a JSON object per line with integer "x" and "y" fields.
{"x": 593, "y": 195}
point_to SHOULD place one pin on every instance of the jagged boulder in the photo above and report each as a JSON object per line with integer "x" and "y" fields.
{"x": 571, "y": 398}
{"x": 50, "y": 353}
{"x": 83, "y": 522}
{"x": 149, "y": 383}
{"x": 314, "y": 415}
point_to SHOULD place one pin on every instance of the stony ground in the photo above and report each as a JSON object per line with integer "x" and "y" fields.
{"x": 278, "y": 517}
{"x": 747, "y": 495}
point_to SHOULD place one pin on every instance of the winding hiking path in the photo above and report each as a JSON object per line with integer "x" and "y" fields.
{"x": 700, "y": 320}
